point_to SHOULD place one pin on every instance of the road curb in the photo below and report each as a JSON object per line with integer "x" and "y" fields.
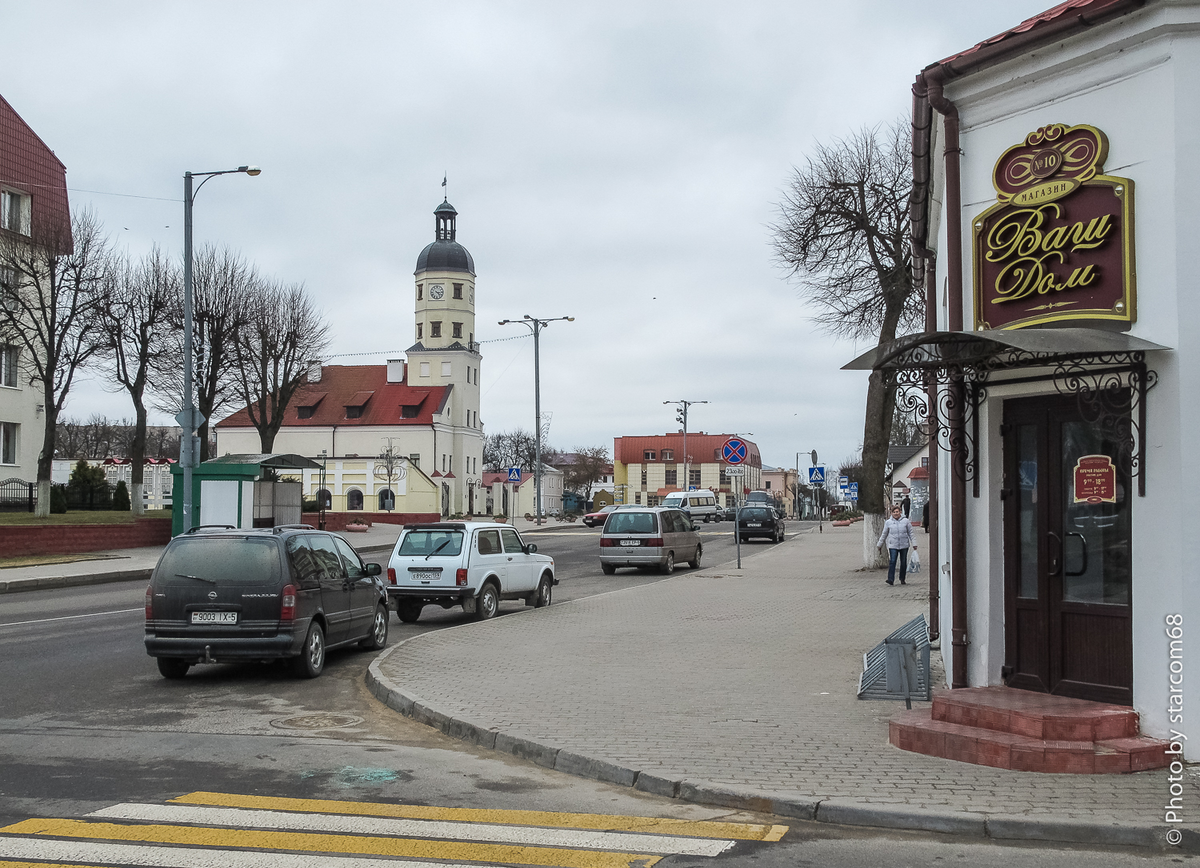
{"x": 12, "y": 586}
{"x": 800, "y": 806}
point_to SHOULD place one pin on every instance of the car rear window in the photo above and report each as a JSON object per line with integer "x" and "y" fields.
{"x": 432, "y": 543}
{"x": 631, "y": 522}
{"x": 756, "y": 513}
{"x": 238, "y": 561}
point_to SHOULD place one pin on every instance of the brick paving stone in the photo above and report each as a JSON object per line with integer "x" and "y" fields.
{"x": 742, "y": 678}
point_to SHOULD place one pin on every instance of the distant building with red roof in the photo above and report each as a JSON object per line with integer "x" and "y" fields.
{"x": 425, "y": 408}
{"x": 648, "y": 468}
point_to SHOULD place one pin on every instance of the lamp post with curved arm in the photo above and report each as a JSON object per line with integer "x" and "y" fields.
{"x": 189, "y": 418}
{"x": 536, "y": 325}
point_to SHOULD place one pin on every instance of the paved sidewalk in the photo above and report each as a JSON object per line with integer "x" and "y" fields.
{"x": 738, "y": 688}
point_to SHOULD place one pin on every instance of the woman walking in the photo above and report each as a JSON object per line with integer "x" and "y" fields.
{"x": 898, "y": 535}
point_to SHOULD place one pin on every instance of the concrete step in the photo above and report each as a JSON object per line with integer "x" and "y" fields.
{"x": 1036, "y": 715}
{"x": 920, "y": 732}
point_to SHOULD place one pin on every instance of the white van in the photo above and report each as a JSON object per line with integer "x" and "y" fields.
{"x": 701, "y": 504}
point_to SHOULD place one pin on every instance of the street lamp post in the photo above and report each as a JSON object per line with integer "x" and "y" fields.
{"x": 682, "y": 417}
{"x": 536, "y": 325}
{"x": 189, "y": 418}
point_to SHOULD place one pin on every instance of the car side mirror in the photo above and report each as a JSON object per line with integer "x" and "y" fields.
{"x": 374, "y": 569}
{"x": 530, "y": 548}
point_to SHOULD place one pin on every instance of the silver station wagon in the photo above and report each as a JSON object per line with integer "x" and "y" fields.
{"x": 653, "y": 536}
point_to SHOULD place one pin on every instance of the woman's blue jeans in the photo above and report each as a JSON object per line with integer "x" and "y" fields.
{"x": 892, "y": 555}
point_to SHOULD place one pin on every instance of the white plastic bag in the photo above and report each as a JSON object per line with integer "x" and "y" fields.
{"x": 914, "y": 561}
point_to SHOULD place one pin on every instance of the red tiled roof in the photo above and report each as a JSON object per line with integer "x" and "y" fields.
{"x": 919, "y": 473}
{"x": 30, "y": 166}
{"x": 704, "y": 448}
{"x": 490, "y": 479}
{"x": 343, "y": 385}
{"x": 1085, "y": 11}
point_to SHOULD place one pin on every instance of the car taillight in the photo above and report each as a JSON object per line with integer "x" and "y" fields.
{"x": 149, "y": 603}
{"x": 287, "y": 608}
{"x": 460, "y": 578}
{"x": 606, "y": 542}
{"x": 391, "y": 575}
{"x": 655, "y": 541}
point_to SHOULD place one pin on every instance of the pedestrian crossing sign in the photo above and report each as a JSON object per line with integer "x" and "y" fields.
{"x": 816, "y": 475}
{"x": 514, "y": 474}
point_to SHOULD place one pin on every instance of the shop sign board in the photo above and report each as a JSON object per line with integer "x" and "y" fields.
{"x": 1095, "y": 479}
{"x": 1058, "y": 245}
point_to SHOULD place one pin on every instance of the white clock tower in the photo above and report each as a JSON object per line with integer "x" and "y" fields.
{"x": 447, "y": 354}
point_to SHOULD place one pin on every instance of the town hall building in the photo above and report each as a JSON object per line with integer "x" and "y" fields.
{"x": 404, "y": 437}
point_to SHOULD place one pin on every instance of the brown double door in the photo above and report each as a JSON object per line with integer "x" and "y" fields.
{"x": 1067, "y": 573}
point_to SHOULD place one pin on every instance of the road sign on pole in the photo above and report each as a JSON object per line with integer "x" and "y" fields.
{"x": 843, "y": 482}
{"x": 816, "y": 475}
{"x": 853, "y": 490}
{"x": 735, "y": 471}
{"x": 514, "y": 474}
{"x": 734, "y": 450}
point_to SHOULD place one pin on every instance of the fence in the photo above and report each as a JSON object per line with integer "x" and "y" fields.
{"x": 17, "y": 495}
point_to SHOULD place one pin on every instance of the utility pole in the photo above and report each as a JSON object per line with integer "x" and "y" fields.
{"x": 681, "y": 417}
{"x": 536, "y": 325}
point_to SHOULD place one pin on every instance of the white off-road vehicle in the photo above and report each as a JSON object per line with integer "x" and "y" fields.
{"x": 473, "y": 564}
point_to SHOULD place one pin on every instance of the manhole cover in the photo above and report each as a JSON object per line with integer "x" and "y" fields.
{"x": 317, "y": 721}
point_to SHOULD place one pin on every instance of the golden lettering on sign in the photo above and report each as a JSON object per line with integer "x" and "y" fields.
{"x": 1058, "y": 243}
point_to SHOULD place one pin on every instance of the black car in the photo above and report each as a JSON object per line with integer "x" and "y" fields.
{"x": 759, "y": 520}
{"x": 220, "y": 595}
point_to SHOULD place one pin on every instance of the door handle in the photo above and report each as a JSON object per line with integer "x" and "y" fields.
{"x": 1055, "y": 560}
{"x": 1083, "y": 542}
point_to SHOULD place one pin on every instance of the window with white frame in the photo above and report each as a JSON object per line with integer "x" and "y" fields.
{"x": 8, "y": 442}
{"x": 8, "y": 365}
{"x": 14, "y": 211}
{"x": 424, "y": 369}
{"x": 446, "y": 369}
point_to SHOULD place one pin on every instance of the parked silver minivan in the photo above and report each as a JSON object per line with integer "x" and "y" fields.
{"x": 654, "y": 536}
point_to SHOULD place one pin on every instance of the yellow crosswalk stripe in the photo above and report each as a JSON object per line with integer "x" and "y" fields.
{"x": 312, "y": 842}
{"x": 659, "y": 825}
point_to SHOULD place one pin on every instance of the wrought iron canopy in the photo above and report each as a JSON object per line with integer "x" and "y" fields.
{"x": 1037, "y": 347}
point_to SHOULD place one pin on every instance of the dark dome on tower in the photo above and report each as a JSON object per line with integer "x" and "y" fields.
{"x": 445, "y": 254}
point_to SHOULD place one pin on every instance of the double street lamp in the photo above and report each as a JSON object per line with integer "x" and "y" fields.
{"x": 536, "y": 325}
{"x": 189, "y": 418}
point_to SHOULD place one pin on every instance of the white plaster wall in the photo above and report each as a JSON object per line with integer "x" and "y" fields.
{"x": 19, "y": 404}
{"x": 1137, "y": 80}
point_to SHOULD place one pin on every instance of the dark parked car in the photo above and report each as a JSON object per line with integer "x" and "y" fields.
{"x": 760, "y": 520}
{"x": 225, "y": 595}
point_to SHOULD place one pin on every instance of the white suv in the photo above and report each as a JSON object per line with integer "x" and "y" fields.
{"x": 473, "y": 564}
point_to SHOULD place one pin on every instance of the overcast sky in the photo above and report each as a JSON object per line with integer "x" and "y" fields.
{"x": 615, "y": 162}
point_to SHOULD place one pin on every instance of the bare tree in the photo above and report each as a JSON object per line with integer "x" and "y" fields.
{"x": 139, "y": 301}
{"x": 581, "y": 468}
{"x": 49, "y": 297}
{"x": 281, "y": 332}
{"x": 510, "y": 449}
{"x": 222, "y": 286}
{"x": 843, "y": 234}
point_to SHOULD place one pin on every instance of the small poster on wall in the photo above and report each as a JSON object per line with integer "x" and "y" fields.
{"x": 1095, "y": 480}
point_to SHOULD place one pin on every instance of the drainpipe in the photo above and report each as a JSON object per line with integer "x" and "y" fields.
{"x": 931, "y": 82}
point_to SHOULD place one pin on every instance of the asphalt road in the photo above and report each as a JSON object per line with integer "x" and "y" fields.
{"x": 87, "y": 723}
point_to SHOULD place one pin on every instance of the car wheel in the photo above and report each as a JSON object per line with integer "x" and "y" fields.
{"x": 408, "y": 613}
{"x": 377, "y": 638}
{"x": 694, "y": 563}
{"x": 608, "y": 569}
{"x": 489, "y": 603}
{"x": 668, "y": 566}
{"x": 545, "y": 593}
{"x": 171, "y": 668}
{"x": 312, "y": 656}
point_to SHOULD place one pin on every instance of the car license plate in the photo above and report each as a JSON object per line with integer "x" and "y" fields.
{"x": 631, "y": 542}
{"x": 424, "y": 575}
{"x": 214, "y": 617}
{"x": 754, "y": 524}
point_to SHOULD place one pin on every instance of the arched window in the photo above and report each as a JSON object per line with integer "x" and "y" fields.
{"x": 354, "y": 499}
{"x": 387, "y": 500}
{"x": 324, "y": 499}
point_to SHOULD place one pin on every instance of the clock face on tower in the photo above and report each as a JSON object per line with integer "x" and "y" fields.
{"x": 437, "y": 291}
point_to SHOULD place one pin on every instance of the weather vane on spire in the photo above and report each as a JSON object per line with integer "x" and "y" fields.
{"x": 444, "y": 191}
